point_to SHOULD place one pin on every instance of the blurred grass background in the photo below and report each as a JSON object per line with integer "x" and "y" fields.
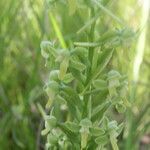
{"x": 23, "y": 25}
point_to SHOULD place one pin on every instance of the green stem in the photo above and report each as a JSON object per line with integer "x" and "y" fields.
{"x": 88, "y": 98}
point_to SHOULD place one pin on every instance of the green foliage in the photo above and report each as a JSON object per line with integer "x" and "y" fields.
{"x": 86, "y": 124}
{"x": 21, "y": 30}
{"x": 91, "y": 42}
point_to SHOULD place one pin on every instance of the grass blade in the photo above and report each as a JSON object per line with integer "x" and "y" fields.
{"x": 57, "y": 31}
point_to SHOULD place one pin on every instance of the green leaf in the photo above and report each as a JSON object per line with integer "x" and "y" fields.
{"x": 73, "y": 101}
{"x": 103, "y": 60}
{"x": 113, "y": 141}
{"x": 96, "y": 131}
{"x": 72, "y": 126}
{"x": 68, "y": 78}
{"x": 95, "y": 59}
{"x": 79, "y": 87}
{"x": 77, "y": 74}
{"x": 105, "y": 122}
{"x": 89, "y": 108}
{"x": 120, "y": 128}
{"x": 77, "y": 65}
{"x": 100, "y": 84}
{"x": 102, "y": 140}
{"x": 99, "y": 97}
{"x": 89, "y": 23}
{"x": 87, "y": 44}
{"x": 70, "y": 103}
{"x": 73, "y": 96}
{"x": 41, "y": 110}
{"x": 73, "y": 137}
{"x": 78, "y": 114}
{"x": 80, "y": 52}
{"x": 99, "y": 111}
{"x": 107, "y": 36}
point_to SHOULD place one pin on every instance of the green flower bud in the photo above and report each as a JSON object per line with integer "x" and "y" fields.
{"x": 84, "y": 136}
{"x": 63, "y": 68}
{"x": 51, "y": 121}
{"x": 120, "y": 108}
{"x": 112, "y": 92}
{"x": 52, "y": 139}
{"x": 86, "y": 123}
{"x": 61, "y": 55}
{"x": 112, "y": 125}
{"x": 68, "y": 78}
{"x": 45, "y": 49}
{"x": 123, "y": 90}
{"x": 113, "y": 74}
{"x": 54, "y": 75}
{"x": 51, "y": 89}
{"x": 113, "y": 78}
